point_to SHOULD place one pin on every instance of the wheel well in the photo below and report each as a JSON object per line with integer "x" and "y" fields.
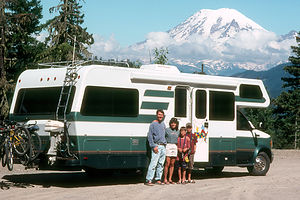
{"x": 267, "y": 151}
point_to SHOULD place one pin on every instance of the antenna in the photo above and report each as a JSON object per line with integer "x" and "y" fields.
{"x": 73, "y": 60}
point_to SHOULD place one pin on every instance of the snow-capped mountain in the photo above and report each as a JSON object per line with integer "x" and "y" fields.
{"x": 216, "y": 24}
{"x": 224, "y": 40}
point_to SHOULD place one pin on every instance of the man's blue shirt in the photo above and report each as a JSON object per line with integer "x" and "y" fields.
{"x": 156, "y": 134}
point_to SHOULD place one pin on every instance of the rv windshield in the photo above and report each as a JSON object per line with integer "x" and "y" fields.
{"x": 39, "y": 101}
{"x": 242, "y": 122}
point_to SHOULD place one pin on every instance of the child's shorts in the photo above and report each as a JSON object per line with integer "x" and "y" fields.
{"x": 181, "y": 163}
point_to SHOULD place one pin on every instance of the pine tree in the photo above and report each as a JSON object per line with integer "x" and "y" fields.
{"x": 19, "y": 20}
{"x": 160, "y": 55}
{"x": 23, "y": 22}
{"x": 294, "y": 69}
{"x": 63, "y": 30}
{"x": 287, "y": 105}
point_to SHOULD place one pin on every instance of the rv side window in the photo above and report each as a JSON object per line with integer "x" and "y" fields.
{"x": 200, "y": 104}
{"x": 39, "y": 101}
{"x": 114, "y": 102}
{"x": 221, "y": 106}
{"x": 250, "y": 91}
{"x": 180, "y": 102}
{"x": 242, "y": 122}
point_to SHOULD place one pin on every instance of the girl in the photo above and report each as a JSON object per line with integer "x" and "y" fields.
{"x": 172, "y": 134}
{"x": 183, "y": 145}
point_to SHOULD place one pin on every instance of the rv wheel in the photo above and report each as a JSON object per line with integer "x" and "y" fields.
{"x": 261, "y": 165}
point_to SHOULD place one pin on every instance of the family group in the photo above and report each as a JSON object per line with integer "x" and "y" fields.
{"x": 170, "y": 148}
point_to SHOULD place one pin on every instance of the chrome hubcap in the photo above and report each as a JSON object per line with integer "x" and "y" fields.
{"x": 260, "y": 163}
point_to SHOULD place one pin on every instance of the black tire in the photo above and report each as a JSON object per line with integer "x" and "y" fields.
{"x": 261, "y": 165}
{"x": 215, "y": 170}
{"x": 35, "y": 145}
{"x": 21, "y": 141}
{"x": 9, "y": 156}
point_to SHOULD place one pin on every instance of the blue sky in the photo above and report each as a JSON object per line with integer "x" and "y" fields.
{"x": 129, "y": 21}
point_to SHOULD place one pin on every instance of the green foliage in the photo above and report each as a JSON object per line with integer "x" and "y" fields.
{"x": 64, "y": 30}
{"x": 21, "y": 47}
{"x": 294, "y": 69}
{"x": 287, "y": 112}
{"x": 19, "y": 22}
{"x": 160, "y": 55}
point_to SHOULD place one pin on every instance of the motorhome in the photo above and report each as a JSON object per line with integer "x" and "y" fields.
{"x": 109, "y": 109}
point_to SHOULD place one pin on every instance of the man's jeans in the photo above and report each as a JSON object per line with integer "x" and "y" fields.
{"x": 156, "y": 164}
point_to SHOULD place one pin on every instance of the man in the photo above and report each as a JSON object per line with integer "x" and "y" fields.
{"x": 157, "y": 143}
{"x": 193, "y": 140}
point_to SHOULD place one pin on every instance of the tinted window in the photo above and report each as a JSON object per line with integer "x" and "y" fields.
{"x": 242, "y": 122}
{"x": 250, "y": 91}
{"x": 221, "y": 106}
{"x": 200, "y": 104}
{"x": 180, "y": 102}
{"x": 104, "y": 101}
{"x": 40, "y": 101}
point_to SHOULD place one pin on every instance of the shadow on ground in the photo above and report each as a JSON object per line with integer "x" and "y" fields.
{"x": 81, "y": 179}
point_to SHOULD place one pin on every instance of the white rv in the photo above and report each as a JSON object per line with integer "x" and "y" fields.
{"x": 110, "y": 109}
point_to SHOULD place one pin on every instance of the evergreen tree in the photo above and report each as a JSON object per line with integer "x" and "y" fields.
{"x": 63, "y": 30}
{"x": 287, "y": 105}
{"x": 19, "y": 20}
{"x": 160, "y": 55}
{"x": 23, "y": 19}
{"x": 294, "y": 69}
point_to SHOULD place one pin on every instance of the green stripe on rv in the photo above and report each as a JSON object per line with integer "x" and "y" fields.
{"x": 159, "y": 93}
{"x": 238, "y": 98}
{"x": 119, "y": 144}
{"x": 155, "y": 105}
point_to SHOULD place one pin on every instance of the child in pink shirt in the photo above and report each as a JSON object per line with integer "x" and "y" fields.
{"x": 183, "y": 145}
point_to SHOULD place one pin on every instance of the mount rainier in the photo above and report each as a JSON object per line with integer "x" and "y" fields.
{"x": 224, "y": 40}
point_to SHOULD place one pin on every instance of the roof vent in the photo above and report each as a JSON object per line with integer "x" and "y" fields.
{"x": 161, "y": 68}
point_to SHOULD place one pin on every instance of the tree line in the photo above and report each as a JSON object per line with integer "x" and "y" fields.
{"x": 19, "y": 50}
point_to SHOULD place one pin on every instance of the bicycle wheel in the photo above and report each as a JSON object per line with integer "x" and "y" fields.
{"x": 9, "y": 156}
{"x": 35, "y": 145}
{"x": 21, "y": 141}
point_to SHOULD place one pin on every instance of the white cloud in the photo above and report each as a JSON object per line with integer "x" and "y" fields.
{"x": 254, "y": 48}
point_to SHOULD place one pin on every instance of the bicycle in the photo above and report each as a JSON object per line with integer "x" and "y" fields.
{"x": 35, "y": 145}
{"x": 15, "y": 139}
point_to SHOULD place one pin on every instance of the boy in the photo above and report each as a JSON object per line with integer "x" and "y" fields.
{"x": 193, "y": 141}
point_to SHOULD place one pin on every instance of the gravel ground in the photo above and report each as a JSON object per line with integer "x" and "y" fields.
{"x": 281, "y": 182}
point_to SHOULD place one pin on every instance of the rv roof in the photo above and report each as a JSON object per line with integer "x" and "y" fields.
{"x": 161, "y": 68}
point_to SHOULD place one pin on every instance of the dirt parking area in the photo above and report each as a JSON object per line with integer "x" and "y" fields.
{"x": 281, "y": 182}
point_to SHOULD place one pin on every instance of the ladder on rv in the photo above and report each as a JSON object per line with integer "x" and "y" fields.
{"x": 63, "y": 105}
{"x": 66, "y": 92}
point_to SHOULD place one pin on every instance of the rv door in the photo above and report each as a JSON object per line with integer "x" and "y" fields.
{"x": 200, "y": 124}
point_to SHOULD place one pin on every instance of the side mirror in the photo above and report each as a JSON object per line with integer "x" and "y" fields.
{"x": 260, "y": 125}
